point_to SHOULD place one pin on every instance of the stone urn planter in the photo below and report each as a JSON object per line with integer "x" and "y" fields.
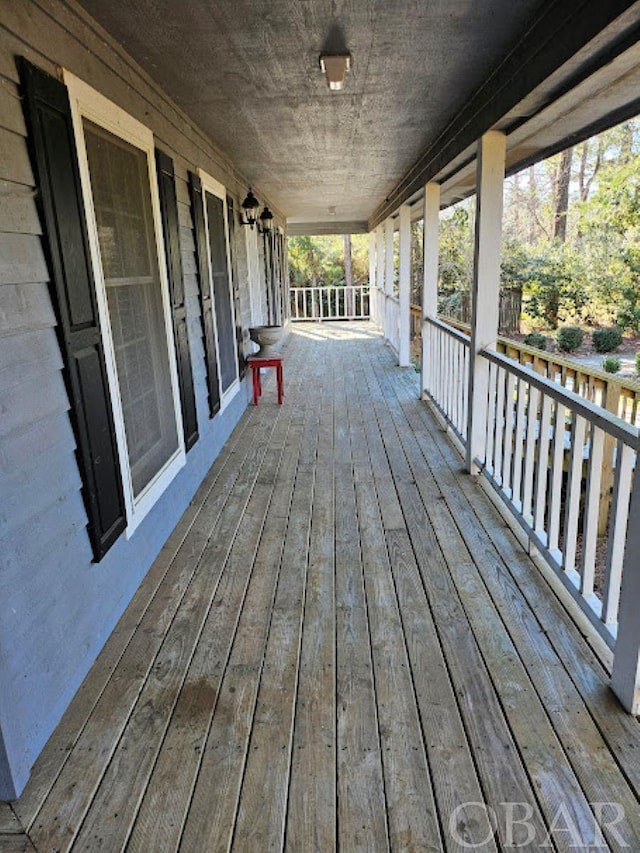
{"x": 267, "y": 338}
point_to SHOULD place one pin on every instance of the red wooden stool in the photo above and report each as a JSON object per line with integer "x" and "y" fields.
{"x": 255, "y": 363}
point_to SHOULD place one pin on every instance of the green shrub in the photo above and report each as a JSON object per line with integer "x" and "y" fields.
{"x": 606, "y": 340}
{"x": 611, "y": 364}
{"x": 569, "y": 338}
{"x": 535, "y": 339}
{"x": 638, "y": 363}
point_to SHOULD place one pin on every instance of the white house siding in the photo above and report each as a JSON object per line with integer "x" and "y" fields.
{"x": 57, "y": 607}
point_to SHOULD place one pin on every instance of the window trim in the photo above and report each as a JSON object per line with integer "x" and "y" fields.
{"x": 87, "y": 103}
{"x": 214, "y": 187}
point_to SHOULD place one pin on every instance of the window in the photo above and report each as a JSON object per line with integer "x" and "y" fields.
{"x": 216, "y": 213}
{"x": 116, "y": 158}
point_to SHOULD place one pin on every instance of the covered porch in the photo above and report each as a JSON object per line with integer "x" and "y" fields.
{"x": 341, "y": 646}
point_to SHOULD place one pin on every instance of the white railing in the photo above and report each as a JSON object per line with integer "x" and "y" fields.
{"x": 392, "y": 321}
{"x": 330, "y": 303}
{"x": 548, "y": 452}
{"x": 446, "y": 356}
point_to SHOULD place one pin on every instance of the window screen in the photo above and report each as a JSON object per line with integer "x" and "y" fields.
{"x": 122, "y": 202}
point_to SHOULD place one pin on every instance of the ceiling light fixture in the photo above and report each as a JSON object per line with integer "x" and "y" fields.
{"x": 250, "y": 207}
{"x": 335, "y": 69}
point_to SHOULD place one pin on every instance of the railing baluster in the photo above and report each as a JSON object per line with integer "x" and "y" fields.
{"x": 516, "y": 476}
{"x": 625, "y": 460}
{"x": 491, "y": 420}
{"x": 574, "y": 493}
{"x": 509, "y": 412}
{"x": 557, "y": 466}
{"x": 542, "y": 468}
{"x": 592, "y": 508}
{"x": 530, "y": 449}
{"x": 499, "y": 429}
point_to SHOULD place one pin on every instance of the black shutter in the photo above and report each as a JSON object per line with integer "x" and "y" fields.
{"x": 66, "y": 243}
{"x": 206, "y": 295}
{"x": 171, "y": 228}
{"x": 235, "y": 282}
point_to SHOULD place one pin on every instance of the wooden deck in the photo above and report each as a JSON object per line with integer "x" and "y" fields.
{"x": 342, "y": 646}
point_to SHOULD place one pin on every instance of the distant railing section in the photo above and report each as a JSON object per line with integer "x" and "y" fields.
{"x": 447, "y": 373}
{"x": 330, "y": 303}
{"x": 551, "y": 454}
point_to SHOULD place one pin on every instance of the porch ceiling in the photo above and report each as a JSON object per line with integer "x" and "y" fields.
{"x": 248, "y": 75}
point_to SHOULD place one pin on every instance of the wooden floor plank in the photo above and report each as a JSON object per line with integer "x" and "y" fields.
{"x": 210, "y": 822}
{"x": 16, "y": 844}
{"x": 311, "y": 813}
{"x": 166, "y": 800}
{"x": 221, "y": 771}
{"x": 542, "y": 753}
{"x": 489, "y": 732}
{"x": 64, "y": 810}
{"x": 186, "y": 534}
{"x": 412, "y": 816}
{"x": 9, "y": 823}
{"x": 261, "y": 817}
{"x": 451, "y": 763}
{"x": 586, "y": 750}
{"x": 362, "y": 820}
{"x": 341, "y": 646}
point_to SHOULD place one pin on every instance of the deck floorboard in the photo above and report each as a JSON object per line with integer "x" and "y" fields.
{"x": 341, "y": 647}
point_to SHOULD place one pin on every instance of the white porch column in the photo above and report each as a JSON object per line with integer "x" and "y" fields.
{"x": 430, "y": 280}
{"x": 625, "y": 677}
{"x": 372, "y": 275}
{"x": 486, "y": 283}
{"x": 389, "y": 333}
{"x": 380, "y": 298}
{"x": 404, "y": 315}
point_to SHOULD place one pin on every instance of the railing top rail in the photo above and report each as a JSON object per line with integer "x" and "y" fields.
{"x": 596, "y": 415}
{"x": 624, "y": 382}
{"x": 329, "y": 287}
{"x": 587, "y": 369}
{"x": 450, "y": 330}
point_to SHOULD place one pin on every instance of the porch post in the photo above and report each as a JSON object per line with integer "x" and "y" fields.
{"x": 430, "y": 280}
{"x": 625, "y": 677}
{"x": 404, "y": 315}
{"x": 486, "y": 284}
{"x": 388, "y": 279}
{"x": 372, "y": 277}
{"x": 380, "y": 297}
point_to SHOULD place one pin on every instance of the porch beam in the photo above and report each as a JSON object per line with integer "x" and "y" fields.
{"x": 430, "y": 279}
{"x": 404, "y": 321}
{"x": 388, "y": 277}
{"x": 625, "y": 676}
{"x": 486, "y": 284}
{"x": 372, "y": 276}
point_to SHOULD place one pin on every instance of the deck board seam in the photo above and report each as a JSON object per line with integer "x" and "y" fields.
{"x": 374, "y": 680}
{"x": 380, "y": 377}
{"x": 307, "y": 419}
{"x": 359, "y": 373}
{"x": 153, "y": 594}
{"x": 571, "y": 762}
{"x": 479, "y": 775}
{"x": 580, "y": 642}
